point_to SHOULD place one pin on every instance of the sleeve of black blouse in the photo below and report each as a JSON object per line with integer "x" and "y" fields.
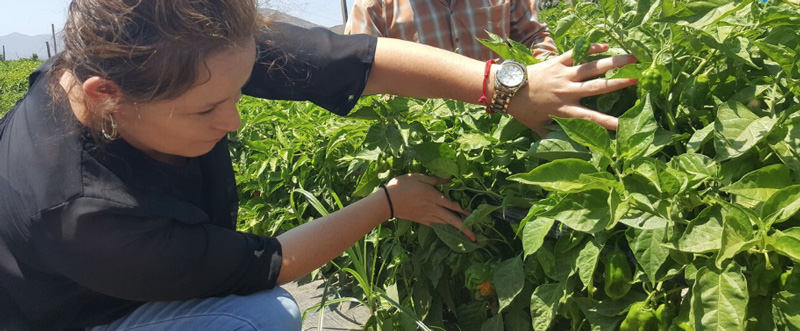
{"x": 326, "y": 68}
{"x": 102, "y": 246}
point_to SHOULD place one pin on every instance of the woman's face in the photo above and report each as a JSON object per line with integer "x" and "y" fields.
{"x": 193, "y": 123}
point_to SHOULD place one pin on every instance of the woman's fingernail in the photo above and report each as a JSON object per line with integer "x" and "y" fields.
{"x": 632, "y": 58}
{"x": 633, "y": 80}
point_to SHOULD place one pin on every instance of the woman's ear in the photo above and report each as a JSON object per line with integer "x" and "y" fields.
{"x": 98, "y": 89}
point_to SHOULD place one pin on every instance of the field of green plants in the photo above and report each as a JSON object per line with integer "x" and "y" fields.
{"x": 682, "y": 219}
{"x": 14, "y": 81}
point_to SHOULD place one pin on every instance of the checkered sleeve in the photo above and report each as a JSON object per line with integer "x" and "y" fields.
{"x": 526, "y": 28}
{"x": 367, "y": 16}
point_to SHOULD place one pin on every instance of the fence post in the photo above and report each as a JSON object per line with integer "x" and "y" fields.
{"x": 48, "y": 48}
{"x": 4, "y": 52}
{"x": 55, "y": 47}
{"x": 344, "y": 11}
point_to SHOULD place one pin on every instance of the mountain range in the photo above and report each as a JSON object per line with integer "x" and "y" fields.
{"x": 18, "y": 45}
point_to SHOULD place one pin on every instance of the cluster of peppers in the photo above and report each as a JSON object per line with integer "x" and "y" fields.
{"x": 641, "y": 315}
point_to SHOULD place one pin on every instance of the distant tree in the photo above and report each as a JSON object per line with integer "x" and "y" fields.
{"x": 35, "y": 57}
{"x": 2, "y": 58}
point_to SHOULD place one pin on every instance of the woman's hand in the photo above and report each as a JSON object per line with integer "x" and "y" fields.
{"x": 415, "y": 198}
{"x": 555, "y": 87}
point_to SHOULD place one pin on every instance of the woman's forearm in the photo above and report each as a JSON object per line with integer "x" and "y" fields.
{"x": 313, "y": 244}
{"x": 421, "y": 71}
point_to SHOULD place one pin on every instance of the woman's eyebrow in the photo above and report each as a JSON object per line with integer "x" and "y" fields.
{"x": 215, "y": 103}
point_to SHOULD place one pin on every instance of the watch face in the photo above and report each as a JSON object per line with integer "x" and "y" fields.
{"x": 511, "y": 75}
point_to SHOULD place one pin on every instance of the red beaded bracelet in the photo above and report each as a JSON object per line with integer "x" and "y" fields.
{"x": 484, "y": 99}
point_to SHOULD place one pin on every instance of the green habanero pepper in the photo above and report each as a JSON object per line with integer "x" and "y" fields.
{"x": 651, "y": 79}
{"x": 618, "y": 275}
{"x": 640, "y": 318}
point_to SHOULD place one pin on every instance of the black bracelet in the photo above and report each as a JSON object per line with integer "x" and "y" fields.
{"x": 388, "y": 198}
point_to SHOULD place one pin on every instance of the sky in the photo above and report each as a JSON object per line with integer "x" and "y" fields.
{"x": 33, "y": 17}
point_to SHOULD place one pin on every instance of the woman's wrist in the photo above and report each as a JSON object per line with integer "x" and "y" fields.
{"x": 388, "y": 200}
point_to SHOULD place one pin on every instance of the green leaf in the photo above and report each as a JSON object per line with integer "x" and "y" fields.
{"x": 644, "y": 9}
{"x": 700, "y": 14}
{"x": 643, "y": 220}
{"x": 662, "y": 139}
{"x": 522, "y": 53}
{"x": 700, "y": 137}
{"x": 508, "y": 278}
{"x": 534, "y": 233}
{"x": 587, "y": 133}
{"x": 453, "y": 238}
{"x": 473, "y": 141}
{"x": 697, "y": 166}
{"x": 786, "y": 308}
{"x": 508, "y": 128}
{"x": 480, "y": 216}
{"x": 788, "y": 244}
{"x": 438, "y": 158}
{"x": 609, "y": 7}
{"x": 666, "y": 181}
{"x": 785, "y": 145}
{"x": 587, "y": 262}
{"x": 759, "y": 314}
{"x": 737, "y": 130}
{"x": 636, "y": 131}
{"x": 547, "y": 260}
{"x": 719, "y": 298}
{"x": 544, "y": 304}
{"x": 704, "y": 233}
{"x": 581, "y": 49}
{"x": 604, "y": 315}
{"x": 648, "y": 249}
{"x": 564, "y": 24}
{"x": 557, "y": 145}
{"x": 493, "y": 323}
{"x": 560, "y": 175}
{"x": 737, "y": 233}
{"x": 781, "y": 205}
{"x": 784, "y": 56}
{"x": 496, "y": 44}
{"x": 586, "y": 211}
{"x": 760, "y": 184}
{"x": 567, "y": 249}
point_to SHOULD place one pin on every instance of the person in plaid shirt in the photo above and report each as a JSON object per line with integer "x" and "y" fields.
{"x": 453, "y": 24}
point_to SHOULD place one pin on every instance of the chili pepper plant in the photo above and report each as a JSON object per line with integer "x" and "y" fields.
{"x": 682, "y": 219}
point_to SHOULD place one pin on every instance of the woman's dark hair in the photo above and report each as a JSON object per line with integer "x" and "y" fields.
{"x": 153, "y": 50}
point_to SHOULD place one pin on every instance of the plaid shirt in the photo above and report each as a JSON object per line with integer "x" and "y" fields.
{"x": 453, "y": 24}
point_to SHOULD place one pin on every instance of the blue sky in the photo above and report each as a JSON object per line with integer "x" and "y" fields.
{"x": 33, "y": 17}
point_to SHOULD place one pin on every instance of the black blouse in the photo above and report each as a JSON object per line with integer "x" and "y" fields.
{"x": 88, "y": 234}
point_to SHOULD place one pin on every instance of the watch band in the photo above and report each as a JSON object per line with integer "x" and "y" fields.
{"x": 501, "y": 99}
{"x": 503, "y": 93}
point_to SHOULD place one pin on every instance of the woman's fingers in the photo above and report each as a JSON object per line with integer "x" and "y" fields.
{"x": 607, "y": 121}
{"x": 599, "y": 67}
{"x": 601, "y": 86}
{"x": 452, "y": 205}
{"x": 433, "y": 180}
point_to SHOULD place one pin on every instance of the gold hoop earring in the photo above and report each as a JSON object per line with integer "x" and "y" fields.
{"x": 106, "y": 134}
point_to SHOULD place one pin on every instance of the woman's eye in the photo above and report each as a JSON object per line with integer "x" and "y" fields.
{"x": 207, "y": 112}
